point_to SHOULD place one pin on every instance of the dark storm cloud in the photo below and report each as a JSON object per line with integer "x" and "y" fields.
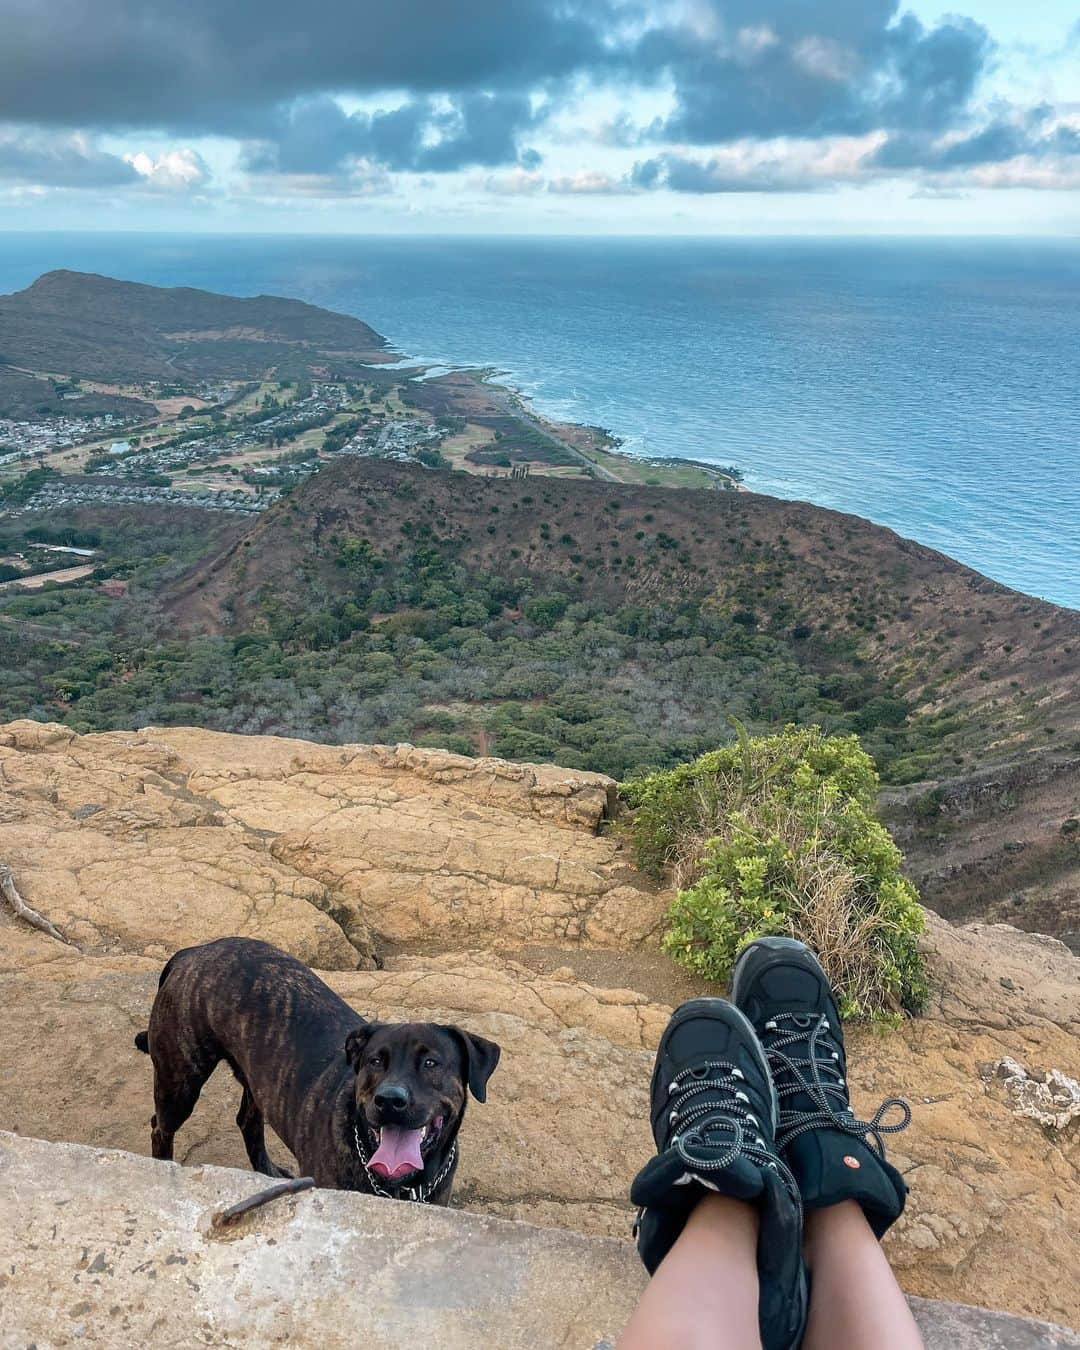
{"x": 1030, "y": 134}
{"x": 462, "y": 83}
{"x": 786, "y": 69}
{"x": 763, "y": 68}
{"x": 205, "y": 65}
{"x": 48, "y": 159}
{"x": 317, "y": 136}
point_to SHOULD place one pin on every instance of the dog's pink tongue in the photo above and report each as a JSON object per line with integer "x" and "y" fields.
{"x": 398, "y": 1152}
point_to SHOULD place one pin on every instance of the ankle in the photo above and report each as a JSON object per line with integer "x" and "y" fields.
{"x": 736, "y": 1222}
{"x": 843, "y": 1222}
{"x": 722, "y": 1234}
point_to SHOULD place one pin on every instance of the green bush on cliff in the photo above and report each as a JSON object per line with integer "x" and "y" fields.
{"x": 777, "y": 835}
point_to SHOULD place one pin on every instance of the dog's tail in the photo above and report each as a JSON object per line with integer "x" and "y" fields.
{"x": 142, "y": 1042}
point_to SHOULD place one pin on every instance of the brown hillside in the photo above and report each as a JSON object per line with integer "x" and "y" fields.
{"x": 940, "y": 627}
{"x": 94, "y": 327}
{"x": 949, "y": 640}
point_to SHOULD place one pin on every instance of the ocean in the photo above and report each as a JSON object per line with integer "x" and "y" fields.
{"x": 932, "y": 386}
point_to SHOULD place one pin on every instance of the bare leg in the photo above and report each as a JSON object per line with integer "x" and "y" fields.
{"x": 855, "y": 1302}
{"x": 704, "y": 1295}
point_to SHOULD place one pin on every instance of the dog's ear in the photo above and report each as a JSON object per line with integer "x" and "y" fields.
{"x": 356, "y": 1043}
{"x": 479, "y": 1057}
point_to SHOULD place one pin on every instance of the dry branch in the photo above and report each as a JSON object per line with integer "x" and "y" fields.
{"x": 21, "y": 909}
{"x": 227, "y": 1217}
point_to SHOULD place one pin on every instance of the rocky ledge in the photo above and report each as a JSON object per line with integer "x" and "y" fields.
{"x": 137, "y": 1255}
{"x": 427, "y": 884}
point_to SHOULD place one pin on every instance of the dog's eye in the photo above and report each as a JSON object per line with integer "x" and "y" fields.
{"x": 431, "y": 1063}
{"x": 375, "y": 1061}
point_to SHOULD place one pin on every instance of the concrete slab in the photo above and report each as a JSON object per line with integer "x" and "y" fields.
{"x": 104, "y": 1248}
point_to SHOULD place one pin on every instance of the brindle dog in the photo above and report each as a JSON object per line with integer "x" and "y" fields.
{"x": 363, "y": 1106}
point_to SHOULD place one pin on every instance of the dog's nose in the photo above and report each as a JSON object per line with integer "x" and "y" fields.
{"x": 391, "y": 1097}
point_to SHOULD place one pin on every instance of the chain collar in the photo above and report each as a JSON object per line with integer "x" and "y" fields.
{"x": 419, "y": 1194}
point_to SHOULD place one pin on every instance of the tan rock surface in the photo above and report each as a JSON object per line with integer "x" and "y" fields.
{"x": 412, "y": 844}
{"x": 197, "y": 834}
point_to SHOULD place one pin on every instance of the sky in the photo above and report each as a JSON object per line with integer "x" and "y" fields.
{"x": 541, "y": 116}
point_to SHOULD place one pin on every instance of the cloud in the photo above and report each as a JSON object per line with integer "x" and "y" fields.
{"x": 182, "y": 170}
{"x": 358, "y": 178}
{"x": 752, "y": 166}
{"x": 317, "y": 135}
{"x": 738, "y": 67}
{"x": 337, "y": 96}
{"x": 518, "y": 183}
{"x": 835, "y": 67}
{"x": 31, "y": 156}
{"x": 587, "y": 183}
{"x": 52, "y": 160}
{"x": 1033, "y": 150}
{"x": 208, "y": 66}
{"x": 1035, "y": 137}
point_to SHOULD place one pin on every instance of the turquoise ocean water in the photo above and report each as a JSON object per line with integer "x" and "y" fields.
{"x": 932, "y": 386}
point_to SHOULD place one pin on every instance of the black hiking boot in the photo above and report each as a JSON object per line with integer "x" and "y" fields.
{"x": 780, "y": 986}
{"x": 714, "y": 1113}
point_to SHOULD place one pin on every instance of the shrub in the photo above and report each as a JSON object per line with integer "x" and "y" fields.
{"x": 777, "y": 835}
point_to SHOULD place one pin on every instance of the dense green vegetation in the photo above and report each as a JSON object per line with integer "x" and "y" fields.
{"x": 422, "y": 648}
{"x": 777, "y": 835}
{"x": 19, "y": 490}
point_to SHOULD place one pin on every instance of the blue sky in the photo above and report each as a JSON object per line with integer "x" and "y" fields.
{"x": 561, "y": 116}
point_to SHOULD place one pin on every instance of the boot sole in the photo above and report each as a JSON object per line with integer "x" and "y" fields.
{"x": 722, "y": 1011}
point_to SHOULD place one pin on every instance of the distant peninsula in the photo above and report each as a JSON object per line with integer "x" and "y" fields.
{"x": 136, "y": 392}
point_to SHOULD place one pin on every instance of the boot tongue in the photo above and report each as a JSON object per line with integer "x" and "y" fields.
{"x": 398, "y": 1153}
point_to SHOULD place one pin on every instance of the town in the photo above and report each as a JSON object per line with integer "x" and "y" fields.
{"x": 229, "y": 447}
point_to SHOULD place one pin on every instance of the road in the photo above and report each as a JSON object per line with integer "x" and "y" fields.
{"x": 36, "y": 580}
{"x": 513, "y": 409}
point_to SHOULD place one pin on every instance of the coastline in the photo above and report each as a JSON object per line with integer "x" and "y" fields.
{"x": 608, "y": 454}
{"x": 209, "y": 435}
{"x": 596, "y": 449}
